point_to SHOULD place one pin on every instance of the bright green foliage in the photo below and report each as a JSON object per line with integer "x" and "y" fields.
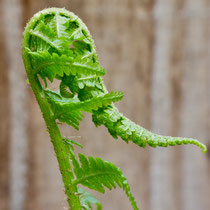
{"x": 58, "y": 46}
{"x": 119, "y": 125}
{"x": 69, "y": 110}
{"x": 97, "y": 174}
{"x": 49, "y": 65}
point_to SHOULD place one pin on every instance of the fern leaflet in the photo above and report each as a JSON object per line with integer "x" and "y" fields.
{"x": 97, "y": 174}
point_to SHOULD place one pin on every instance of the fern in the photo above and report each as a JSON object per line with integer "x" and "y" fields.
{"x": 57, "y": 45}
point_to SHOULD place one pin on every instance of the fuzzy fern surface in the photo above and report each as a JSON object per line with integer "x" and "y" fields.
{"x": 58, "y": 46}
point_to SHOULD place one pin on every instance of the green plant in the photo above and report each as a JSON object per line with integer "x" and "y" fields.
{"x": 57, "y": 45}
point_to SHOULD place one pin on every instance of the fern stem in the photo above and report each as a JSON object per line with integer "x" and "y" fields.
{"x": 54, "y": 132}
{"x": 59, "y": 145}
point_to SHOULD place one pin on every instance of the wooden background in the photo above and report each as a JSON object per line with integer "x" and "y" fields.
{"x": 158, "y": 53}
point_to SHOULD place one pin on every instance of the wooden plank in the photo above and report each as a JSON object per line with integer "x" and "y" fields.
{"x": 4, "y": 120}
{"x": 18, "y": 145}
{"x": 167, "y": 98}
{"x": 161, "y": 159}
{"x": 176, "y": 70}
{"x": 195, "y": 186}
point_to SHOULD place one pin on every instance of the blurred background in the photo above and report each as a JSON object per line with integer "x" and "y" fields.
{"x": 158, "y": 53}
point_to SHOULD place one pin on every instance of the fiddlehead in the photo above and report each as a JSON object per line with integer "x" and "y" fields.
{"x": 57, "y": 45}
{"x": 66, "y": 44}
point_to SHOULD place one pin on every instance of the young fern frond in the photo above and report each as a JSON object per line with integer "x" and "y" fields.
{"x": 57, "y": 45}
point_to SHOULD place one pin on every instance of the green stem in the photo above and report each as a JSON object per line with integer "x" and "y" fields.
{"x": 55, "y": 135}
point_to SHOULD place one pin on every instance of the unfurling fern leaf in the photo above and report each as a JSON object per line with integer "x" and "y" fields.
{"x": 57, "y": 45}
{"x": 119, "y": 125}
